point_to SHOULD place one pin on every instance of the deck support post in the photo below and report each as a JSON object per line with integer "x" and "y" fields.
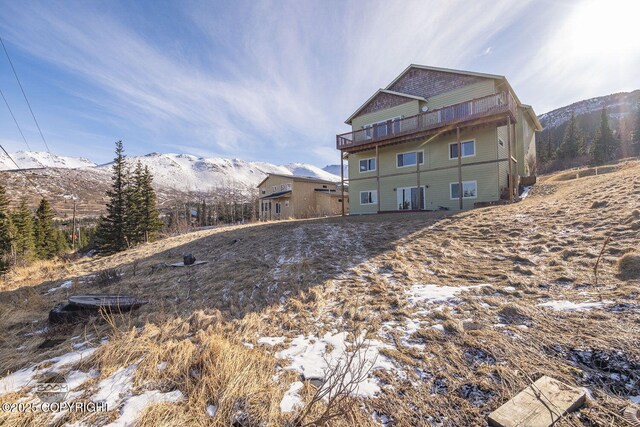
{"x": 342, "y": 180}
{"x": 418, "y": 201}
{"x": 460, "y": 194}
{"x": 378, "y": 176}
{"x": 509, "y": 156}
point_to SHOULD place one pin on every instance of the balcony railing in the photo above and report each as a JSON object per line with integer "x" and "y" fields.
{"x": 453, "y": 114}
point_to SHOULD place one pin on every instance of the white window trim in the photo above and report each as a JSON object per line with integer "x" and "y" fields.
{"x": 275, "y": 188}
{"x": 288, "y": 186}
{"x": 475, "y": 148}
{"x": 286, "y": 203}
{"x": 463, "y": 183}
{"x": 369, "y": 170}
{"x": 409, "y": 152}
{"x": 374, "y": 197}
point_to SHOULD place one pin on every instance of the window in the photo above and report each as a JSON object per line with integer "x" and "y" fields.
{"x": 282, "y": 187}
{"x": 468, "y": 149}
{"x": 324, "y": 186}
{"x": 409, "y": 159}
{"x": 469, "y": 190}
{"x": 264, "y": 191}
{"x": 277, "y": 207}
{"x": 500, "y": 142}
{"x": 288, "y": 187}
{"x": 368, "y": 197}
{"x": 286, "y": 203}
{"x": 275, "y": 188}
{"x": 383, "y": 128}
{"x": 367, "y": 165}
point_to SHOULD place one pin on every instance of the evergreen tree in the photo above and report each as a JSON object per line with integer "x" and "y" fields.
{"x": 150, "y": 218}
{"x": 112, "y": 232}
{"x": 605, "y": 145}
{"x": 24, "y": 241}
{"x": 46, "y": 236}
{"x": 572, "y": 142}
{"x": 134, "y": 220}
{"x": 5, "y": 231}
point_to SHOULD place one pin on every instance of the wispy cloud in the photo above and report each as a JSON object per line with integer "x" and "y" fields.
{"x": 264, "y": 80}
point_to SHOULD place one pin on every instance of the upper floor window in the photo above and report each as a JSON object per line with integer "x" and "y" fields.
{"x": 275, "y": 188}
{"x": 264, "y": 191}
{"x": 288, "y": 186}
{"x": 383, "y": 128}
{"x": 468, "y": 149}
{"x": 409, "y": 159}
{"x": 367, "y": 165}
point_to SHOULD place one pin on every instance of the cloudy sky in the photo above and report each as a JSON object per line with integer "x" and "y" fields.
{"x": 275, "y": 80}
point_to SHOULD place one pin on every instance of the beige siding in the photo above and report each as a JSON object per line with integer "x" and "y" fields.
{"x": 436, "y": 155}
{"x": 477, "y": 90}
{"x": 303, "y": 202}
{"x": 407, "y": 109}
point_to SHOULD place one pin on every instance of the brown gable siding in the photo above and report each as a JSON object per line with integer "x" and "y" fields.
{"x": 382, "y": 102}
{"x": 428, "y": 83}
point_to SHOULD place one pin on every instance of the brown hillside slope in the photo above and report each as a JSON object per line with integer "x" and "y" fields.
{"x": 446, "y": 362}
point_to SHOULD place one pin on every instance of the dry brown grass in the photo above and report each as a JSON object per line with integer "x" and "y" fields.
{"x": 629, "y": 266}
{"x": 312, "y": 277}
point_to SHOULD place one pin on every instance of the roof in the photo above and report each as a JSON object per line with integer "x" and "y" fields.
{"x": 276, "y": 195}
{"x": 534, "y": 118}
{"x": 390, "y": 92}
{"x": 296, "y": 178}
{"x": 527, "y": 108}
{"x": 444, "y": 70}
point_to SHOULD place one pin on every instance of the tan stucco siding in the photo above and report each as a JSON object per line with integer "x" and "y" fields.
{"x": 407, "y": 109}
{"x": 482, "y": 88}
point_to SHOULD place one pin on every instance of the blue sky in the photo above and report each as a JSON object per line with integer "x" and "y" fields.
{"x": 275, "y": 80}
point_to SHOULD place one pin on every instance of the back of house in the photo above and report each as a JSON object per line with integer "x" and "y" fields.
{"x": 437, "y": 138}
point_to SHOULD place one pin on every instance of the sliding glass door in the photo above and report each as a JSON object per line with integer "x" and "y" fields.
{"x": 408, "y": 198}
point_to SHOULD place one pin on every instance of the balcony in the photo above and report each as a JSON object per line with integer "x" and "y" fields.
{"x": 488, "y": 109}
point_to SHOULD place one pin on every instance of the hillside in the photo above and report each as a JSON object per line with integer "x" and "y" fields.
{"x": 621, "y": 109}
{"x": 177, "y": 177}
{"x": 450, "y": 315}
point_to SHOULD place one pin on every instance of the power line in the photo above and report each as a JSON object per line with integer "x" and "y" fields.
{"x": 14, "y": 120}
{"x": 25, "y": 95}
{"x": 26, "y": 176}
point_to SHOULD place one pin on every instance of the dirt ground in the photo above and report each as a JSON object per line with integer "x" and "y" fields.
{"x": 528, "y": 304}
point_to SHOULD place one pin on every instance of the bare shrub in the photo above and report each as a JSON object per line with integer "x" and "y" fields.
{"x": 108, "y": 277}
{"x": 334, "y": 398}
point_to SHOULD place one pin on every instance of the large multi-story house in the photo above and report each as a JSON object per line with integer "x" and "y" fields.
{"x": 288, "y": 196}
{"x": 437, "y": 138}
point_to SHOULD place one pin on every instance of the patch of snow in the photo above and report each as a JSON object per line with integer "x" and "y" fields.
{"x": 564, "y": 305}
{"x": 65, "y": 285}
{"x": 291, "y": 399}
{"x": 310, "y": 357}
{"x": 419, "y": 294}
{"x": 114, "y": 388}
{"x": 161, "y": 366}
{"x": 271, "y": 340}
{"x": 438, "y": 327}
{"x": 525, "y": 192}
{"x": 509, "y": 289}
{"x": 212, "y": 410}
{"x": 134, "y": 405}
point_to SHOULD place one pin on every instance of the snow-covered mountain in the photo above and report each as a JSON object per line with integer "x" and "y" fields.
{"x": 190, "y": 173}
{"x": 38, "y": 159}
{"x": 181, "y": 172}
{"x": 618, "y": 106}
{"x": 335, "y": 169}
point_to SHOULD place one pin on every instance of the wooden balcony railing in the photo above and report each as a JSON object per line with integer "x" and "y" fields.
{"x": 495, "y": 104}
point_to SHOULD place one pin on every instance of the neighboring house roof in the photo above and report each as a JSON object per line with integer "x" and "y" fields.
{"x": 379, "y": 91}
{"x": 276, "y": 195}
{"x": 297, "y": 178}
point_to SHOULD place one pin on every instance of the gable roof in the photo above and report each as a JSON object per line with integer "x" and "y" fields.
{"x": 296, "y": 178}
{"x": 420, "y": 98}
{"x": 445, "y": 70}
{"x": 379, "y": 91}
